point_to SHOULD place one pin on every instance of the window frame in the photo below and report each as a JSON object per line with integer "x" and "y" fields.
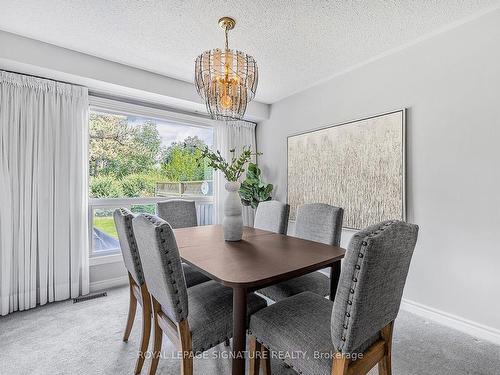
{"x": 106, "y": 105}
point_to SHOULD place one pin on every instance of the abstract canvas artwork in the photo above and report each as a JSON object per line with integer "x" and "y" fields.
{"x": 359, "y": 166}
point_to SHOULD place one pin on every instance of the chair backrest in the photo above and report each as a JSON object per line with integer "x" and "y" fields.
{"x": 371, "y": 284}
{"x": 161, "y": 264}
{"x": 319, "y": 222}
{"x": 179, "y": 213}
{"x": 123, "y": 222}
{"x": 272, "y": 216}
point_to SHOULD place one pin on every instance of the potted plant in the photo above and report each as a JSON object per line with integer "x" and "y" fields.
{"x": 232, "y": 224}
{"x": 253, "y": 190}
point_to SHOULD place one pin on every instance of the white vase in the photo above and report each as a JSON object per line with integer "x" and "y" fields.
{"x": 232, "y": 224}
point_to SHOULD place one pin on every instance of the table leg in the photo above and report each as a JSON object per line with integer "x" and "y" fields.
{"x": 239, "y": 330}
{"x": 334, "y": 278}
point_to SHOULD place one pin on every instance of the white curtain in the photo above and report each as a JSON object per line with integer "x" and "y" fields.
{"x": 43, "y": 191}
{"x": 234, "y": 134}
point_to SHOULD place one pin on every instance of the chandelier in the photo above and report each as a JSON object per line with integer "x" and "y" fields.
{"x": 226, "y": 79}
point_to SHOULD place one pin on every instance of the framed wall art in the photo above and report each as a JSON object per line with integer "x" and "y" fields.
{"x": 357, "y": 165}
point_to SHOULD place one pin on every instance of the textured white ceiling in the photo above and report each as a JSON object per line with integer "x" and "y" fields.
{"x": 296, "y": 43}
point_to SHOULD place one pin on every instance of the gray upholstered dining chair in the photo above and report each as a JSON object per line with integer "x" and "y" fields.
{"x": 317, "y": 222}
{"x": 359, "y": 321}
{"x": 138, "y": 289}
{"x": 272, "y": 216}
{"x": 196, "y": 318}
{"x": 137, "y": 285}
{"x": 179, "y": 213}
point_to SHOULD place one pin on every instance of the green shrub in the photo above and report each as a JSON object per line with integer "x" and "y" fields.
{"x": 105, "y": 187}
{"x": 140, "y": 184}
{"x": 133, "y": 185}
{"x": 144, "y": 208}
{"x": 150, "y": 179}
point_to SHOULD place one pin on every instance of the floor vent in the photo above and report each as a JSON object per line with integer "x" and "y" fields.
{"x": 89, "y": 297}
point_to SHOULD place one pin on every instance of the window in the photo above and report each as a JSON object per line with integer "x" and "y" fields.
{"x": 136, "y": 161}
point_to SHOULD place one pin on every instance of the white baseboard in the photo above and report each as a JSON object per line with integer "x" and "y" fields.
{"x": 106, "y": 284}
{"x": 460, "y": 324}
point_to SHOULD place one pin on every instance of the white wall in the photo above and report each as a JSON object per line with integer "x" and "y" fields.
{"x": 451, "y": 85}
{"x": 107, "y": 273}
{"x": 29, "y": 56}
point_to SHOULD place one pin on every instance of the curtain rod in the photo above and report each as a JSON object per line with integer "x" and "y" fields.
{"x": 40, "y": 77}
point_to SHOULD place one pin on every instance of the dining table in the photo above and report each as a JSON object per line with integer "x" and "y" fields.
{"x": 260, "y": 259}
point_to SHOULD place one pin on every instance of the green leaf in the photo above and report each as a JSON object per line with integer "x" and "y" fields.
{"x": 253, "y": 189}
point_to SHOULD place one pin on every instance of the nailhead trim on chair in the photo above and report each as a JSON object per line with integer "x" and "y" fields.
{"x": 128, "y": 216}
{"x": 154, "y": 220}
{"x": 357, "y": 270}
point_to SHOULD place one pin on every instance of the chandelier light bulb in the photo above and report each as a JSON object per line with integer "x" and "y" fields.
{"x": 226, "y": 102}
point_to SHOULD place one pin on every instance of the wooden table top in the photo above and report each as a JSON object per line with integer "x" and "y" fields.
{"x": 261, "y": 258}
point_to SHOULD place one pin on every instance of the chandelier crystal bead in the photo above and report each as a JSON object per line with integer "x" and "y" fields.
{"x": 226, "y": 79}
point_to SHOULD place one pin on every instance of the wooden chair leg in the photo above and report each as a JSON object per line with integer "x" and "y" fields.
{"x": 131, "y": 311}
{"x": 266, "y": 360}
{"x": 255, "y": 353}
{"x": 157, "y": 340}
{"x": 186, "y": 347}
{"x": 340, "y": 365}
{"x": 146, "y": 328}
{"x": 385, "y": 365}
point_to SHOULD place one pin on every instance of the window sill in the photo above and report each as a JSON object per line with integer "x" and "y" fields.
{"x": 105, "y": 259}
